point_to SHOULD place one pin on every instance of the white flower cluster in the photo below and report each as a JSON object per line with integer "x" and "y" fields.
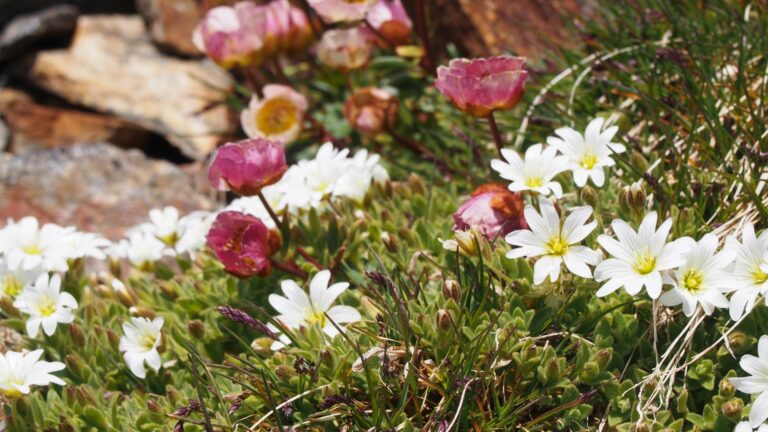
{"x": 585, "y": 156}
{"x": 332, "y": 174}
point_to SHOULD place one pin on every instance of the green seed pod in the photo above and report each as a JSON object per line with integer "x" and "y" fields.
{"x": 589, "y": 196}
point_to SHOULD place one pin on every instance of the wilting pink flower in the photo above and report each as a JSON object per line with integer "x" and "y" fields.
{"x": 243, "y": 244}
{"x": 249, "y": 33}
{"x": 391, "y": 21}
{"x": 481, "y": 86}
{"x": 247, "y": 166}
{"x": 371, "y": 110}
{"x": 493, "y": 210}
{"x": 344, "y": 49}
{"x": 224, "y": 36}
{"x": 333, "y": 11}
{"x": 277, "y": 116}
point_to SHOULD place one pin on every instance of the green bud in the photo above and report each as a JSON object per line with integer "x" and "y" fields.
{"x": 196, "y": 328}
{"x": 76, "y": 365}
{"x": 642, "y": 427}
{"x": 141, "y": 311}
{"x": 639, "y": 161}
{"x": 732, "y": 409}
{"x": 738, "y": 341}
{"x": 64, "y": 425}
{"x": 444, "y": 319}
{"x": 417, "y": 184}
{"x": 154, "y": 407}
{"x": 637, "y": 197}
{"x": 262, "y": 345}
{"x": 726, "y": 388}
{"x": 591, "y": 371}
{"x": 452, "y": 290}
{"x": 589, "y": 196}
{"x": 76, "y": 334}
{"x": 624, "y": 199}
{"x": 682, "y": 401}
{"x": 552, "y": 370}
{"x": 174, "y": 396}
{"x": 603, "y": 356}
{"x": 285, "y": 372}
{"x": 95, "y": 417}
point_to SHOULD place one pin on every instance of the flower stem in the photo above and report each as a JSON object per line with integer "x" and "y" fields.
{"x": 421, "y": 150}
{"x": 288, "y": 267}
{"x": 277, "y": 68}
{"x": 307, "y": 256}
{"x": 271, "y": 212}
{"x": 495, "y": 132}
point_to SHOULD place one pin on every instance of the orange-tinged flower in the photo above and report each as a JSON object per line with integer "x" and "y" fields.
{"x": 371, "y": 110}
{"x": 480, "y": 86}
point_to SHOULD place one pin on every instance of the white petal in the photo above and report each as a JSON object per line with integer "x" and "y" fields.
{"x": 759, "y": 412}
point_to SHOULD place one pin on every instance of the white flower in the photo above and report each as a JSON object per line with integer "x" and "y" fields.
{"x": 253, "y": 206}
{"x": 278, "y": 116}
{"x": 143, "y": 249}
{"x": 164, "y": 224}
{"x": 555, "y": 243}
{"x": 745, "y": 427}
{"x": 46, "y": 305}
{"x": 535, "y": 173}
{"x": 282, "y": 340}
{"x": 20, "y": 371}
{"x": 139, "y": 344}
{"x": 12, "y": 282}
{"x": 297, "y": 309}
{"x": 702, "y": 279}
{"x": 322, "y": 173}
{"x": 354, "y": 184}
{"x": 82, "y": 245}
{"x": 193, "y": 229}
{"x": 370, "y": 162}
{"x": 749, "y": 274}
{"x": 28, "y": 246}
{"x": 638, "y": 257}
{"x": 757, "y": 383}
{"x": 587, "y": 154}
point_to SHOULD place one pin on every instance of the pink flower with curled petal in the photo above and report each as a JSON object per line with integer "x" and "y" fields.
{"x": 391, "y": 21}
{"x": 480, "y": 86}
{"x": 344, "y": 49}
{"x": 278, "y": 116}
{"x": 224, "y": 36}
{"x": 493, "y": 210}
{"x": 333, "y": 11}
{"x": 245, "y": 167}
{"x": 243, "y": 244}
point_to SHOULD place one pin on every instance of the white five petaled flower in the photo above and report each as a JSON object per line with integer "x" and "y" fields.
{"x": 756, "y": 383}
{"x": 555, "y": 243}
{"x": 587, "y": 154}
{"x": 750, "y": 269}
{"x": 139, "y": 344}
{"x": 702, "y": 279}
{"x": 535, "y": 173}
{"x": 28, "y": 246}
{"x": 297, "y": 309}
{"x": 746, "y": 427}
{"x": 638, "y": 257}
{"x": 20, "y": 371}
{"x": 46, "y": 305}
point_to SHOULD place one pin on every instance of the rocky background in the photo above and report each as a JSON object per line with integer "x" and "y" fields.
{"x": 107, "y": 110}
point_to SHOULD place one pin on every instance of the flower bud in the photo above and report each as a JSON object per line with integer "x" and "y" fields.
{"x": 141, "y": 311}
{"x": 738, "y": 341}
{"x": 174, "y": 396}
{"x": 76, "y": 334}
{"x": 391, "y": 21}
{"x": 344, "y": 49}
{"x": 125, "y": 294}
{"x": 196, "y": 329}
{"x": 493, "y": 210}
{"x": 732, "y": 409}
{"x": 726, "y": 388}
{"x": 639, "y": 161}
{"x": 642, "y": 427}
{"x": 247, "y": 166}
{"x": 370, "y": 110}
{"x": 285, "y": 372}
{"x": 589, "y": 196}
{"x": 637, "y": 197}
{"x": 154, "y": 407}
{"x": 452, "y": 290}
{"x": 444, "y": 319}
{"x": 76, "y": 365}
{"x": 603, "y": 356}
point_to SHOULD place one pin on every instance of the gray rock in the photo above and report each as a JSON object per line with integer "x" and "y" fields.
{"x": 96, "y": 187}
{"x": 24, "y": 31}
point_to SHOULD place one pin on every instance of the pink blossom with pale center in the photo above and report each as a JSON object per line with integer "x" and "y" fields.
{"x": 391, "y": 21}
{"x": 243, "y": 244}
{"x": 493, "y": 210}
{"x": 245, "y": 167}
{"x": 481, "y": 86}
{"x": 225, "y": 38}
{"x": 333, "y": 11}
{"x": 344, "y": 49}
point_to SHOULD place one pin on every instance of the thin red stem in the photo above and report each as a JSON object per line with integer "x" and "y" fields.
{"x": 271, "y": 212}
{"x": 307, "y": 256}
{"x": 495, "y": 132}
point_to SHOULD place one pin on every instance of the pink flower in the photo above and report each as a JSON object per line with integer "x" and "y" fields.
{"x": 344, "y": 49}
{"x": 248, "y": 33}
{"x": 390, "y": 19}
{"x": 277, "y": 117}
{"x": 493, "y": 210}
{"x": 247, "y": 166}
{"x": 224, "y": 37}
{"x": 243, "y": 244}
{"x": 481, "y": 86}
{"x": 371, "y": 110}
{"x": 333, "y": 11}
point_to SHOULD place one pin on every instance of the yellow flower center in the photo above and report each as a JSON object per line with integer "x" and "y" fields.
{"x": 692, "y": 280}
{"x": 645, "y": 263}
{"x": 534, "y": 182}
{"x": 316, "y": 317}
{"x": 13, "y": 392}
{"x": 759, "y": 276}
{"x": 170, "y": 239}
{"x": 276, "y": 116}
{"x": 557, "y": 246}
{"x": 588, "y": 161}
{"x": 46, "y": 307}
{"x": 10, "y": 286}
{"x": 32, "y": 249}
{"x": 147, "y": 341}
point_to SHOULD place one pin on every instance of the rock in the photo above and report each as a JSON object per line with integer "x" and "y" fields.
{"x": 23, "y": 31}
{"x": 96, "y": 187}
{"x": 112, "y": 67}
{"x": 529, "y": 28}
{"x": 171, "y": 24}
{"x": 34, "y": 126}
